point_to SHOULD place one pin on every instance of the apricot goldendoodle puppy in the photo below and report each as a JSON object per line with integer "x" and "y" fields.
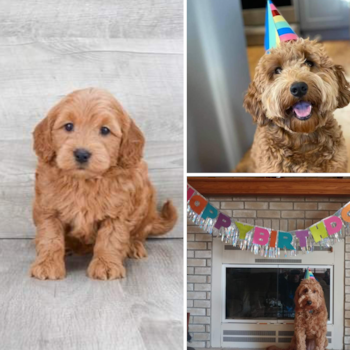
{"x": 310, "y": 323}
{"x": 92, "y": 190}
{"x": 292, "y": 98}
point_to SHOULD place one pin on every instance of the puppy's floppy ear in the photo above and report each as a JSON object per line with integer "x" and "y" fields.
{"x": 253, "y": 105}
{"x": 43, "y": 146}
{"x": 131, "y": 149}
{"x": 343, "y": 86}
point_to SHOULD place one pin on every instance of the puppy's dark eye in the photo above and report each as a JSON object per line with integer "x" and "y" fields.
{"x": 305, "y": 291}
{"x": 309, "y": 63}
{"x": 278, "y": 70}
{"x": 69, "y": 127}
{"x": 314, "y": 291}
{"x": 104, "y": 130}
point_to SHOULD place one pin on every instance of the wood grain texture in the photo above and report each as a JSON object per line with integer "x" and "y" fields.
{"x": 146, "y": 78}
{"x": 271, "y": 186}
{"x": 93, "y": 19}
{"x": 142, "y": 311}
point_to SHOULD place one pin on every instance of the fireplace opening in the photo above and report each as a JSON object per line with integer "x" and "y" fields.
{"x": 254, "y": 293}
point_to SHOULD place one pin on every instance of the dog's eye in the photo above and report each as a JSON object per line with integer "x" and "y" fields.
{"x": 309, "y": 63}
{"x": 69, "y": 127}
{"x": 104, "y": 130}
{"x": 278, "y": 70}
{"x": 314, "y": 291}
{"x": 305, "y": 291}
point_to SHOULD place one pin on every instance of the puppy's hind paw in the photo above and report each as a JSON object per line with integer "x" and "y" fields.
{"x": 137, "y": 250}
{"x": 105, "y": 270}
{"x": 48, "y": 270}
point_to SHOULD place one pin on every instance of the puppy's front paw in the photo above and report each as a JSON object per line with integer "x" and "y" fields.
{"x": 105, "y": 270}
{"x": 48, "y": 270}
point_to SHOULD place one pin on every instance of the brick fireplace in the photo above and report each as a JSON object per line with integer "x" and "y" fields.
{"x": 280, "y": 212}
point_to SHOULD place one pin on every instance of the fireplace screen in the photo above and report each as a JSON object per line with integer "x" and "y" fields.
{"x": 267, "y": 293}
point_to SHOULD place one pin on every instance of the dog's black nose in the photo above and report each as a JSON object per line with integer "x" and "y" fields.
{"x": 82, "y": 155}
{"x": 298, "y": 89}
{"x": 309, "y": 302}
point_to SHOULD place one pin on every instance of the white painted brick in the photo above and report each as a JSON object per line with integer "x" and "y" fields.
{"x": 197, "y": 245}
{"x": 201, "y": 336}
{"x": 198, "y": 344}
{"x": 196, "y": 279}
{"x": 203, "y": 237}
{"x": 196, "y": 311}
{"x": 202, "y": 270}
{"x": 196, "y": 328}
{"x": 201, "y": 319}
{"x": 202, "y": 253}
{"x": 202, "y": 287}
{"x": 196, "y": 262}
{"x": 189, "y": 287}
{"x": 196, "y": 295}
{"x": 190, "y": 236}
{"x": 201, "y": 303}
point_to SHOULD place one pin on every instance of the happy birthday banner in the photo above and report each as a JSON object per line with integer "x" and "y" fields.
{"x": 262, "y": 240}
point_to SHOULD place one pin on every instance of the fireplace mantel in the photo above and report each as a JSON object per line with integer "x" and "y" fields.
{"x": 293, "y": 186}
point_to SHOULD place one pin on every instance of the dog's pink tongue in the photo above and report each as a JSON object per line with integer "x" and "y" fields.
{"x": 302, "y": 109}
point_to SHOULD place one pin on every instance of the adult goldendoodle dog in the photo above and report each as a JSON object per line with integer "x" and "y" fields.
{"x": 92, "y": 189}
{"x": 292, "y": 98}
{"x": 310, "y": 323}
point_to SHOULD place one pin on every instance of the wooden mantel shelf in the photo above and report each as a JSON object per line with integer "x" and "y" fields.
{"x": 271, "y": 186}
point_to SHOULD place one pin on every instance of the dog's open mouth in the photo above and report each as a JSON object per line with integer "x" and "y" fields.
{"x": 302, "y": 110}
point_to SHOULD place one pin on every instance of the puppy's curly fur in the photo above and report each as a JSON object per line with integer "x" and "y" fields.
{"x": 105, "y": 203}
{"x": 310, "y": 323}
{"x": 283, "y": 142}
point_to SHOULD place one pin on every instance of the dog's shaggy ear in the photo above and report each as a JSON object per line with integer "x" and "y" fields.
{"x": 43, "y": 140}
{"x": 296, "y": 297}
{"x": 253, "y": 105}
{"x": 343, "y": 85}
{"x": 131, "y": 149}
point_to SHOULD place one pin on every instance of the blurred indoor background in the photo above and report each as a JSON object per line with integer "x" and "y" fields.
{"x": 225, "y": 43}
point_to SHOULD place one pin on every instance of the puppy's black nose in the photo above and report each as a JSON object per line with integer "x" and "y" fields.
{"x": 309, "y": 302}
{"x": 298, "y": 89}
{"x": 81, "y": 155}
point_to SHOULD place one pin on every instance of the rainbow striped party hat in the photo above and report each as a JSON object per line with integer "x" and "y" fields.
{"x": 309, "y": 275}
{"x": 277, "y": 28}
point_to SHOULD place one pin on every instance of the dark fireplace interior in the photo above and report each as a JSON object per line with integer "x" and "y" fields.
{"x": 267, "y": 293}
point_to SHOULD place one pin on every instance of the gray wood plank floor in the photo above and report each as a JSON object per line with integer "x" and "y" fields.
{"x": 142, "y": 311}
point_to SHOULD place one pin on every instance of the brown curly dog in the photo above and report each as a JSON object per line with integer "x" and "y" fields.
{"x": 310, "y": 323}
{"x": 292, "y": 98}
{"x": 92, "y": 190}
